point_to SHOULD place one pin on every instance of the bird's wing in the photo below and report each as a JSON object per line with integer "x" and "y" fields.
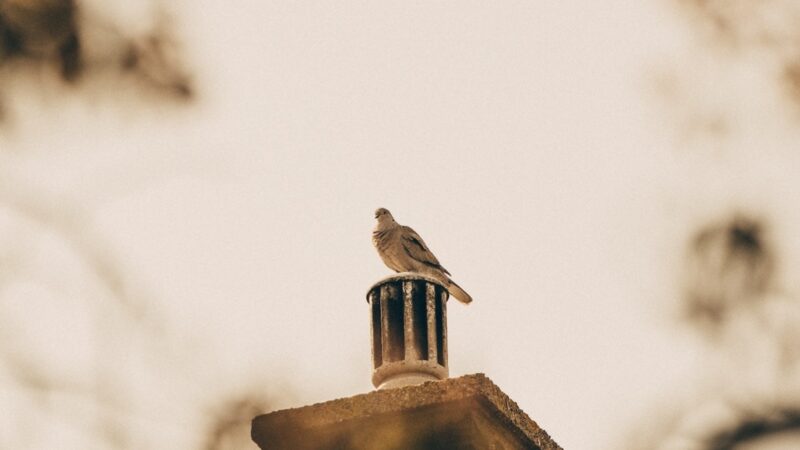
{"x": 416, "y": 248}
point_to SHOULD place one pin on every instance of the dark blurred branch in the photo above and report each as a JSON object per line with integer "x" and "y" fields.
{"x": 42, "y": 30}
{"x": 730, "y": 266}
{"x": 753, "y": 428}
{"x": 58, "y": 33}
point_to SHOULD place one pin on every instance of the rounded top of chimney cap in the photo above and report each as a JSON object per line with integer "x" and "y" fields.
{"x": 405, "y": 276}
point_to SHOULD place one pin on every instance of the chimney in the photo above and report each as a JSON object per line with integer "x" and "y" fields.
{"x": 409, "y": 330}
{"x": 416, "y": 406}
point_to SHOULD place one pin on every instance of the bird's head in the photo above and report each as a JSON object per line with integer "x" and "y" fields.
{"x": 384, "y": 217}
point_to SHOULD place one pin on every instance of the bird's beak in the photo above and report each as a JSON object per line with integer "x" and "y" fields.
{"x": 376, "y": 214}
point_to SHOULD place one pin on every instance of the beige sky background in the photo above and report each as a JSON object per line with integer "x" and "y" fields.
{"x": 556, "y": 156}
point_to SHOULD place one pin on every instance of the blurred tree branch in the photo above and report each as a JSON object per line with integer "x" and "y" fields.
{"x": 80, "y": 46}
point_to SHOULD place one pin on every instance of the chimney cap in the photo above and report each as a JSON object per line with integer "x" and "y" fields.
{"x": 405, "y": 276}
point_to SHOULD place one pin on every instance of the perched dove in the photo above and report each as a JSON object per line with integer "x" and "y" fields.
{"x": 402, "y": 250}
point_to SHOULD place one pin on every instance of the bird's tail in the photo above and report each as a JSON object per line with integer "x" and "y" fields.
{"x": 458, "y": 293}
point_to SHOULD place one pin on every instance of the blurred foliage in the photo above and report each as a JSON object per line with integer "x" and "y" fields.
{"x": 80, "y": 338}
{"x": 771, "y": 27}
{"x": 77, "y": 47}
{"x": 731, "y": 265}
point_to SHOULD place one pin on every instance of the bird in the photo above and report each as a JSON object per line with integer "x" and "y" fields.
{"x": 403, "y": 250}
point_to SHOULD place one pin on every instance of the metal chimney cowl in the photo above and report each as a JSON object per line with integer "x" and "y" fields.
{"x": 409, "y": 330}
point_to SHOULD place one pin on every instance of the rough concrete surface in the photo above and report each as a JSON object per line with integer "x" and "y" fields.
{"x": 469, "y": 412}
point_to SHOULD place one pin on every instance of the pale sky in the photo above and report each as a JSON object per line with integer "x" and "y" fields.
{"x": 530, "y": 144}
